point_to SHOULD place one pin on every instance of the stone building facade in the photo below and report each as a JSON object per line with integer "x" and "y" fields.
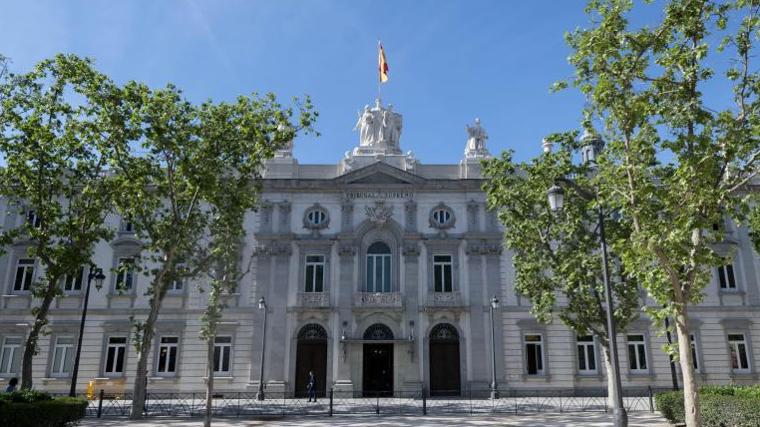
{"x": 377, "y": 273}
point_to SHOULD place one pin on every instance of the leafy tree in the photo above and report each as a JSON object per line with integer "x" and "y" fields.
{"x": 674, "y": 166}
{"x": 558, "y": 266}
{"x": 229, "y": 196}
{"x": 186, "y": 155}
{"x": 60, "y": 125}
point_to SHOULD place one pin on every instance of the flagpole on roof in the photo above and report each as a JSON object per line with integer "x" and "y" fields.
{"x": 379, "y": 72}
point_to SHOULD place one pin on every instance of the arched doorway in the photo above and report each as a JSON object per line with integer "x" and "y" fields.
{"x": 377, "y": 378}
{"x": 311, "y": 355}
{"x": 444, "y": 361}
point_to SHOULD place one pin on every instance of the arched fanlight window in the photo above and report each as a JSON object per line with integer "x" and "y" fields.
{"x": 312, "y": 332}
{"x": 444, "y": 332}
{"x": 378, "y": 331}
{"x": 379, "y": 267}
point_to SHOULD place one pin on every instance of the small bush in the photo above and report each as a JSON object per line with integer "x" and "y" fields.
{"x": 720, "y": 406}
{"x": 34, "y": 409}
{"x": 670, "y": 404}
{"x": 734, "y": 411}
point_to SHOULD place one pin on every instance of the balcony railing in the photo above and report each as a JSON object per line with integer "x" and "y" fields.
{"x": 445, "y": 299}
{"x": 378, "y": 299}
{"x": 314, "y": 299}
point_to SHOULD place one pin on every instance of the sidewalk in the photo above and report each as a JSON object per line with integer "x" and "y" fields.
{"x": 637, "y": 419}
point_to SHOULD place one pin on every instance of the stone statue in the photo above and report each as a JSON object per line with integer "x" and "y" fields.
{"x": 476, "y": 141}
{"x": 366, "y": 125}
{"x": 379, "y": 130}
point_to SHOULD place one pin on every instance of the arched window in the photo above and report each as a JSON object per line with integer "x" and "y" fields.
{"x": 312, "y": 332}
{"x": 378, "y": 331}
{"x": 379, "y": 267}
{"x": 444, "y": 332}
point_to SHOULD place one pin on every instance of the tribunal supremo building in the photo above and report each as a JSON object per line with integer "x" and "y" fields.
{"x": 377, "y": 272}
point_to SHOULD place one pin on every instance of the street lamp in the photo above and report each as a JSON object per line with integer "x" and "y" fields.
{"x": 556, "y": 196}
{"x": 262, "y": 306}
{"x": 494, "y": 386}
{"x": 97, "y": 274}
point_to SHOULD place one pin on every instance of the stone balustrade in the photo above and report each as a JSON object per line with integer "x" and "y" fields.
{"x": 445, "y": 299}
{"x": 314, "y": 299}
{"x": 378, "y": 299}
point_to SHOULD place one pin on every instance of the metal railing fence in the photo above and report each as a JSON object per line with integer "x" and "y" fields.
{"x": 401, "y": 402}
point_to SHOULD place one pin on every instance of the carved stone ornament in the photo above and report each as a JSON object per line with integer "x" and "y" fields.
{"x": 347, "y": 249}
{"x": 380, "y": 213}
{"x": 411, "y": 249}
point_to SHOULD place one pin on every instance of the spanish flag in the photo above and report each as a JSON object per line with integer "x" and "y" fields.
{"x": 382, "y": 64}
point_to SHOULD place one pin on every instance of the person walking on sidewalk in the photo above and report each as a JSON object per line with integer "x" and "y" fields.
{"x": 311, "y": 387}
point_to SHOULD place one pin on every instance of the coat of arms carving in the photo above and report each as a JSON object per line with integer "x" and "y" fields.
{"x": 380, "y": 213}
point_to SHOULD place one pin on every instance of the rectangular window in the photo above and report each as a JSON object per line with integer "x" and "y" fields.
{"x": 222, "y": 354}
{"x": 73, "y": 282}
{"x": 24, "y": 274}
{"x": 63, "y": 356}
{"x": 127, "y": 226}
{"x": 168, "y": 349}
{"x": 534, "y": 354}
{"x": 737, "y": 345}
{"x": 33, "y": 219}
{"x": 10, "y": 355}
{"x": 115, "y": 353}
{"x": 586, "y": 354}
{"x": 694, "y": 352}
{"x": 637, "y": 354}
{"x": 443, "y": 273}
{"x": 125, "y": 277}
{"x": 378, "y": 273}
{"x": 726, "y": 276}
{"x": 315, "y": 273}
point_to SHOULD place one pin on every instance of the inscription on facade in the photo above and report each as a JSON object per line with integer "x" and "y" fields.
{"x": 379, "y": 195}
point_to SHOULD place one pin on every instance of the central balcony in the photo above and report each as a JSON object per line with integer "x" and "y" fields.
{"x": 313, "y": 300}
{"x": 378, "y": 300}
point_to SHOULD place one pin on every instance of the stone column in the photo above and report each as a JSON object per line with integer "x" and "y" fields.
{"x": 284, "y": 214}
{"x": 411, "y": 252}
{"x": 473, "y": 219}
{"x": 277, "y": 320}
{"x": 342, "y": 380}
{"x": 478, "y": 348}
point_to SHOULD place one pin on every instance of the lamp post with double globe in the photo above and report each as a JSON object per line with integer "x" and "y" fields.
{"x": 494, "y": 386}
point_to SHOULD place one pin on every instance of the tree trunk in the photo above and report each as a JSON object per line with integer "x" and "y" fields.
{"x": 210, "y": 381}
{"x": 141, "y": 375}
{"x": 30, "y": 348}
{"x": 610, "y": 378}
{"x": 690, "y": 389}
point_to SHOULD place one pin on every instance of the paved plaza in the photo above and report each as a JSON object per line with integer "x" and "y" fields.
{"x": 637, "y": 419}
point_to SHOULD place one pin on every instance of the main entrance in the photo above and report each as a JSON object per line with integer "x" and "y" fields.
{"x": 444, "y": 361}
{"x": 311, "y": 355}
{"x": 377, "y": 375}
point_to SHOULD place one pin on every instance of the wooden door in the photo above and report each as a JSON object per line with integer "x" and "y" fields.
{"x": 311, "y": 356}
{"x": 377, "y": 378}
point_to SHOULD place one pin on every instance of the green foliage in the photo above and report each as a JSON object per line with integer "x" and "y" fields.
{"x": 673, "y": 166}
{"x": 24, "y": 410}
{"x": 670, "y": 405}
{"x": 25, "y": 396}
{"x": 60, "y": 126}
{"x": 720, "y": 406}
{"x": 556, "y": 255}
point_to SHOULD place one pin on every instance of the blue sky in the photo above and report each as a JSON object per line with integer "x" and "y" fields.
{"x": 450, "y": 61}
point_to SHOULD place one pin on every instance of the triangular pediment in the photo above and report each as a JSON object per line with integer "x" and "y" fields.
{"x": 380, "y": 174}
